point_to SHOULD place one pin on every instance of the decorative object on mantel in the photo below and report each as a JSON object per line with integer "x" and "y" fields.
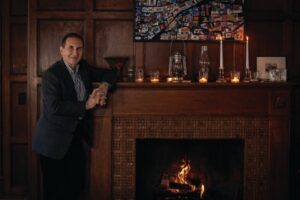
{"x": 177, "y": 65}
{"x": 130, "y": 74}
{"x": 203, "y": 75}
{"x": 154, "y": 76}
{"x": 204, "y": 63}
{"x": 139, "y": 75}
{"x": 254, "y": 77}
{"x": 234, "y": 76}
{"x": 117, "y": 63}
{"x": 247, "y": 75}
{"x": 272, "y": 69}
{"x": 132, "y": 66}
{"x": 221, "y": 77}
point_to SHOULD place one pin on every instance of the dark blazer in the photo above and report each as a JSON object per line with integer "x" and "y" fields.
{"x": 61, "y": 110}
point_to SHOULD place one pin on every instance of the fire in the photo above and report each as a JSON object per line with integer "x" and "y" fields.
{"x": 183, "y": 173}
{"x": 184, "y": 178}
{"x": 202, "y": 190}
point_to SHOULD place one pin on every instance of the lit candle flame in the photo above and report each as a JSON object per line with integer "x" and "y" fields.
{"x": 154, "y": 80}
{"x": 235, "y": 80}
{"x": 220, "y": 37}
{"x": 139, "y": 80}
{"x": 202, "y": 80}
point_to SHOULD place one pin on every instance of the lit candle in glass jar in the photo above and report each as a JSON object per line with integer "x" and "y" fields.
{"x": 235, "y": 77}
{"x": 139, "y": 80}
{"x": 154, "y": 80}
{"x": 202, "y": 80}
{"x": 154, "y": 76}
{"x": 235, "y": 80}
{"x": 203, "y": 75}
{"x": 139, "y": 75}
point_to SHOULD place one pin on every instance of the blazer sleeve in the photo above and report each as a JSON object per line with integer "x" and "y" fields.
{"x": 54, "y": 100}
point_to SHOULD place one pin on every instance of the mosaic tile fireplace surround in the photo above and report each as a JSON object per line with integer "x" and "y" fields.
{"x": 254, "y": 132}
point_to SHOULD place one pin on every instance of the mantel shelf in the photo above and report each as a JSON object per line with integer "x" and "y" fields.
{"x": 206, "y": 85}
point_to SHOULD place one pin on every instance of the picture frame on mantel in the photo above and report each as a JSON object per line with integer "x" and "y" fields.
{"x": 265, "y": 64}
{"x": 189, "y": 20}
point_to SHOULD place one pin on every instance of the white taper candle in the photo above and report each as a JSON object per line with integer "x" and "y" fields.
{"x": 247, "y": 52}
{"x": 221, "y": 53}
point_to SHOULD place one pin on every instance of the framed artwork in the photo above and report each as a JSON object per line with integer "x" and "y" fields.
{"x": 266, "y": 64}
{"x": 190, "y": 20}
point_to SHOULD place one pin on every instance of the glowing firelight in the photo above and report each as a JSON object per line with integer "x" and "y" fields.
{"x": 183, "y": 173}
{"x": 202, "y": 190}
{"x": 183, "y": 178}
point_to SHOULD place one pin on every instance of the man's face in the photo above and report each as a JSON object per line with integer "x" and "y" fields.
{"x": 72, "y": 51}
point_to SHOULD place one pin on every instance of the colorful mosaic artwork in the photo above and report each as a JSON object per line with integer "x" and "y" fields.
{"x": 188, "y": 19}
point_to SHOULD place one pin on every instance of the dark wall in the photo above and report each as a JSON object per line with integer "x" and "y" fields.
{"x": 1, "y": 145}
{"x": 13, "y": 90}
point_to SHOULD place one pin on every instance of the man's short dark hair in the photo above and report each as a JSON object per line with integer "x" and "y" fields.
{"x": 71, "y": 35}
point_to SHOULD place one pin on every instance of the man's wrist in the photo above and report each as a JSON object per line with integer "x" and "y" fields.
{"x": 87, "y": 105}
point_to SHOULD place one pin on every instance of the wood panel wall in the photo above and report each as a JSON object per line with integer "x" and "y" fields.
{"x": 106, "y": 25}
{"x": 14, "y": 98}
{"x": 1, "y": 135}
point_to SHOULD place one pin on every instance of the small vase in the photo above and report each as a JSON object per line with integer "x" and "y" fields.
{"x": 117, "y": 63}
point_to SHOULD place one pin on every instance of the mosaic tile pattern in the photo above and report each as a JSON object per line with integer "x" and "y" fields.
{"x": 253, "y": 130}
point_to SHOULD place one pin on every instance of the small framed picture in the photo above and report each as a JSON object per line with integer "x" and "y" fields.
{"x": 267, "y": 64}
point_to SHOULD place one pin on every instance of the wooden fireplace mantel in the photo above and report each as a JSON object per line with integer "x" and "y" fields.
{"x": 270, "y": 101}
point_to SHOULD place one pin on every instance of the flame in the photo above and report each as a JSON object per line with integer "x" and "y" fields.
{"x": 183, "y": 173}
{"x": 182, "y": 178}
{"x": 202, "y": 190}
{"x": 219, "y": 37}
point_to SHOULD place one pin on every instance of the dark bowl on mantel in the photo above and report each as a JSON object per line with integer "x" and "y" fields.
{"x": 117, "y": 63}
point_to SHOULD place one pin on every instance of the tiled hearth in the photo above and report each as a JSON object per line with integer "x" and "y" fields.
{"x": 253, "y": 130}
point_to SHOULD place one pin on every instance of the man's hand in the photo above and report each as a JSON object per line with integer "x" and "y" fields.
{"x": 103, "y": 88}
{"x": 93, "y": 99}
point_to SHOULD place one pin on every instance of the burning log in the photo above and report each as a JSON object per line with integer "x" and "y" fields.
{"x": 168, "y": 195}
{"x": 180, "y": 186}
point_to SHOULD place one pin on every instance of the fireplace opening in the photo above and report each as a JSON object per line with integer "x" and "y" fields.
{"x": 181, "y": 169}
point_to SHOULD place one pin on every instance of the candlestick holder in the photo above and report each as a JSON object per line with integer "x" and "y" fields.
{"x": 221, "y": 77}
{"x": 247, "y": 76}
{"x": 254, "y": 76}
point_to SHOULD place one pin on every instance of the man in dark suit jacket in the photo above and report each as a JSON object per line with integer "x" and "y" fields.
{"x": 68, "y": 97}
